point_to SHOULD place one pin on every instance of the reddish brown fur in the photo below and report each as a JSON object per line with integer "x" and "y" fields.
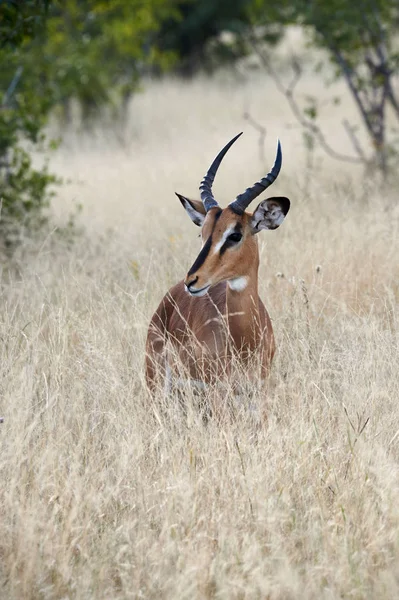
{"x": 205, "y": 331}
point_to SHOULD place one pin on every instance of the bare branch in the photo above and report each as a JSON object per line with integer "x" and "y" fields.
{"x": 288, "y": 92}
{"x": 349, "y": 75}
{"x": 392, "y": 99}
{"x": 11, "y": 88}
{"x": 382, "y": 54}
{"x": 262, "y": 134}
{"x": 355, "y": 142}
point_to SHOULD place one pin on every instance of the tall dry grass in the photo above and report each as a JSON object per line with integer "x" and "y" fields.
{"x": 105, "y": 495}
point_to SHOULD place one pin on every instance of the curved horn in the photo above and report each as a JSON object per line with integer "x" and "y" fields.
{"x": 206, "y": 184}
{"x": 243, "y": 200}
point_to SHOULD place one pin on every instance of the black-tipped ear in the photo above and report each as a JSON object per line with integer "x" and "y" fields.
{"x": 270, "y": 213}
{"x": 194, "y": 208}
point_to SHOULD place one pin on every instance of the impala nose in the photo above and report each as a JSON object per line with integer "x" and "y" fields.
{"x": 191, "y": 283}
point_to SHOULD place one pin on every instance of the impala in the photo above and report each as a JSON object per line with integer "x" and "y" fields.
{"x": 215, "y": 314}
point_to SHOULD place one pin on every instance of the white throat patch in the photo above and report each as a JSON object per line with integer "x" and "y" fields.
{"x": 238, "y": 284}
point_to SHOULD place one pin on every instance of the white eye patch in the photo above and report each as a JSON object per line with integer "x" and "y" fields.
{"x": 230, "y": 231}
{"x": 220, "y": 244}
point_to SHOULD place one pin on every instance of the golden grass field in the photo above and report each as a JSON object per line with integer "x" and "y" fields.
{"x": 107, "y": 494}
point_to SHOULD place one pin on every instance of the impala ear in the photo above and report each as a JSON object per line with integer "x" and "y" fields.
{"x": 270, "y": 213}
{"x": 194, "y": 208}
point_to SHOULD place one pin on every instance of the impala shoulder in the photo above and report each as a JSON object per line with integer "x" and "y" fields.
{"x": 178, "y": 297}
{"x": 177, "y": 289}
{"x": 217, "y": 294}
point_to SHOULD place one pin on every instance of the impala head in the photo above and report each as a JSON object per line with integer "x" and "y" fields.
{"x": 229, "y": 246}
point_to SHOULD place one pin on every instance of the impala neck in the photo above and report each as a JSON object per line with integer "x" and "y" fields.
{"x": 242, "y": 309}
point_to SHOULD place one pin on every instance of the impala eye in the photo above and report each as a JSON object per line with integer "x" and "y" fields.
{"x": 235, "y": 237}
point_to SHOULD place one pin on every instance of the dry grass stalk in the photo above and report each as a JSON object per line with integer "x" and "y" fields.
{"x": 106, "y": 494}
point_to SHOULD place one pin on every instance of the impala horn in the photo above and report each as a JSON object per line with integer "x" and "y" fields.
{"x": 243, "y": 200}
{"x": 206, "y": 184}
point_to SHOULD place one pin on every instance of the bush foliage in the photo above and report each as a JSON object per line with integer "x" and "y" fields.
{"x": 92, "y": 51}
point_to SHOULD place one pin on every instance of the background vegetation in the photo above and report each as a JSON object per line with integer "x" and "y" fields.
{"x": 52, "y": 54}
{"x": 106, "y": 493}
{"x": 93, "y": 53}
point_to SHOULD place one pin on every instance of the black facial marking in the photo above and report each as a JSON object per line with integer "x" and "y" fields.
{"x": 230, "y": 243}
{"x": 199, "y": 261}
{"x": 223, "y": 249}
{"x": 217, "y": 215}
